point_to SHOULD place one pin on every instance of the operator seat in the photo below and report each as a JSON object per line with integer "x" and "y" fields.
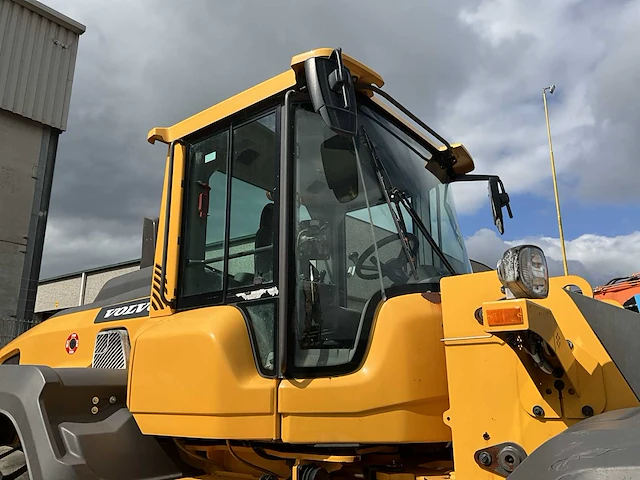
{"x": 263, "y": 261}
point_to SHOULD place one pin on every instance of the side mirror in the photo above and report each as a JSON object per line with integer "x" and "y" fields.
{"x": 498, "y": 197}
{"x": 498, "y": 200}
{"x": 332, "y": 93}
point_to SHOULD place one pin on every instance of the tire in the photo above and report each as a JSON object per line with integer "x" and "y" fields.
{"x": 13, "y": 464}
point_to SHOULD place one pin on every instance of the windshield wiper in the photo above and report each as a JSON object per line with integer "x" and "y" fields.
{"x": 398, "y": 196}
{"x": 397, "y": 218}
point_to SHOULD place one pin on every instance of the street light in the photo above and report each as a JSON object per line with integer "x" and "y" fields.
{"x": 553, "y": 173}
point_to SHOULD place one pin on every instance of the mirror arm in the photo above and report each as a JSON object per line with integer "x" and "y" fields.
{"x": 475, "y": 178}
{"x": 499, "y": 199}
{"x": 504, "y": 196}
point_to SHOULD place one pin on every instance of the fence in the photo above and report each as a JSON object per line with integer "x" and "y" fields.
{"x": 10, "y": 328}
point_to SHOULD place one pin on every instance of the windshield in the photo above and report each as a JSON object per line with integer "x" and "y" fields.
{"x": 349, "y": 229}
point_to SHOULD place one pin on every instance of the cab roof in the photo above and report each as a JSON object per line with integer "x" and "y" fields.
{"x": 288, "y": 79}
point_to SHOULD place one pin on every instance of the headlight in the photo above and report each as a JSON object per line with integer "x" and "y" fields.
{"x": 523, "y": 272}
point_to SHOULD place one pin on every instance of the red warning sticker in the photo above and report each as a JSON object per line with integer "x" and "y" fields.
{"x": 72, "y": 343}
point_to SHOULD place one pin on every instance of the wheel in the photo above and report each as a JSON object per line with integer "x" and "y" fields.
{"x": 13, "y": 464}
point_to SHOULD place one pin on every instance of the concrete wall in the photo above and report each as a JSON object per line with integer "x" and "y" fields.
{"x": 67, "y": 291}
{"x": 20, "y": 143}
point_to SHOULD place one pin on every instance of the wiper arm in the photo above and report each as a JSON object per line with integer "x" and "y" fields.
{"x": 400, "y": 196}
{"x": 396, "y": 216}
{"x": 397, "y": 197}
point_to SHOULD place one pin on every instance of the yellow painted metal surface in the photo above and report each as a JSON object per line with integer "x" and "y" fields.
{"x": 193, "y": 375}
{"x": 256, "y": 94}
{"x": 540, "y": 320}
{"x": 44, "y": 344}
{"x": 398, "y": 395}
{"x": 504, "y": 392}
{"x": 158, "y": 307}
{"x": 360, "y": 71}
{"x": 224, "y": 109}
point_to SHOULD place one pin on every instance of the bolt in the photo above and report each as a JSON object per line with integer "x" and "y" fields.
{"x": 570, "y": 343}
{"x": 95, "y": 400}
{"x": 548, "y": 391}
{"x": 509, "y": 458}
{"x": 485, "y": 459}
{"x": 486, "y": 436}
{"x": 587, "y": 411}
{"x": 538, "y": 411}
{"x": 94, "y": 410}
{"x": 112, "y": 399}
{"x": 572, "y": 391}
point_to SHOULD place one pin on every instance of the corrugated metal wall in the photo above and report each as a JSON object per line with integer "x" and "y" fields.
{"x": 37, "y": 62}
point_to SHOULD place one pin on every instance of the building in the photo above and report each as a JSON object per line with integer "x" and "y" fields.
{"x": 38, "y": 48}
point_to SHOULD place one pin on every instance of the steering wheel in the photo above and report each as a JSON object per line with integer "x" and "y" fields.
{"x": 394, "y": 268}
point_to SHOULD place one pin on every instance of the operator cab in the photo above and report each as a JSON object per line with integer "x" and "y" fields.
{"x": 308, "y": 209}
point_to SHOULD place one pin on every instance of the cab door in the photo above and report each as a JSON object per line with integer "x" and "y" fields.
{"x": 208, "y": 370}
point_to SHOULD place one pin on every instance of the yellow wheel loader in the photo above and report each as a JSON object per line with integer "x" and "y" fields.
{"x": 311, "y": 313}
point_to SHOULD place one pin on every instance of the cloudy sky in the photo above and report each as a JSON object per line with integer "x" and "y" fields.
{"x": 474, "y": 70}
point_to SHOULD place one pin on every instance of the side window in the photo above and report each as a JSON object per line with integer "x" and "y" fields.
{"x": 205, "y": 217}
{"x": 251, "y": 225}
{"x": 252, "y": 229}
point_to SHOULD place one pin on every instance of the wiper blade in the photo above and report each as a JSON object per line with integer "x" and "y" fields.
{"x": 397, "y": 218}
{"x": 401, "y": 197}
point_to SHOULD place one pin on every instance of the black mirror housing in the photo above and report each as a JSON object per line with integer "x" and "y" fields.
{"x": 332, "y": 92}
{"x": 498, "y": 197}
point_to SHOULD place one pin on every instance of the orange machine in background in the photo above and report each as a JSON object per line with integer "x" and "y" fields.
{"x": 625, "y": 290}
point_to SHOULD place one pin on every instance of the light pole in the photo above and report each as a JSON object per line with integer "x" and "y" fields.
{"x": 553, "y": 173}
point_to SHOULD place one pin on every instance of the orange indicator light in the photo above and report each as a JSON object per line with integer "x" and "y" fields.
{"x": 504, "y": 316}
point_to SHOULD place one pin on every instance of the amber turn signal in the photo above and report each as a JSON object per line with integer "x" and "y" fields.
{"x": 497, "y": 317}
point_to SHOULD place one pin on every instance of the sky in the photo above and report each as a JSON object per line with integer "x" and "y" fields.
{"x": 472, "y": 69}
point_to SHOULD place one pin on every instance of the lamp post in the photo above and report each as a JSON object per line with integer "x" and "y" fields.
{"x": 553, "y": 173}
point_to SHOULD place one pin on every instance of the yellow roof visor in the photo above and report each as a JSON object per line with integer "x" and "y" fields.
{"x": 259, "y": 93}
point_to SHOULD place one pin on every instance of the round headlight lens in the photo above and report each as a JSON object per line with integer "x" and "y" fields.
{"x": 523, "y": 271}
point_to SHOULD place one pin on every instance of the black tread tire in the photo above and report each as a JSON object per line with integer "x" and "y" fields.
{"x": 13, "y": 464}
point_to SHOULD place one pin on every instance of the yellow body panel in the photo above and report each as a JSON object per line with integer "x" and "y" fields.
{"x": 224, "y": 109}
{"x": 499, "y": 409}
{"x": 44, "y": 344}
{"x": 398, "y": 395}
{"x": 158, "y": 307}
{"x": 193, "y": 374}
{"x": 360, "y": 71}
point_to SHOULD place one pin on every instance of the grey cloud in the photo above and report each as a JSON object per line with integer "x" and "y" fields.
{"x": 162, "y": 62}
{"x": 474, "y": 75}
{"x": 587, "y": 50}
{"x": 595, "y": 258}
